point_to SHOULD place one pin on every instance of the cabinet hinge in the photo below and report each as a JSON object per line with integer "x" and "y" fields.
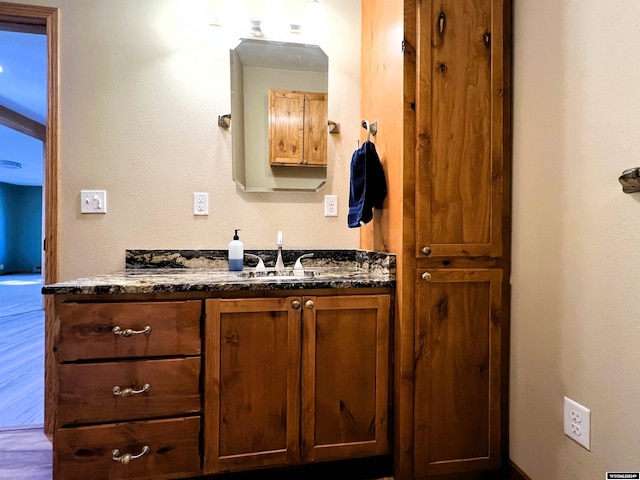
{"x": 404, "y": 45}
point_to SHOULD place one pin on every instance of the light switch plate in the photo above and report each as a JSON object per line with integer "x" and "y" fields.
{"x": 93, "y": 201}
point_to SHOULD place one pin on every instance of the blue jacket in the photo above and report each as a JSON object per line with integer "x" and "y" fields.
{"x": 368, "y": 186}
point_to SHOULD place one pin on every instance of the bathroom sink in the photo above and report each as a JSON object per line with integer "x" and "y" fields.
{"x": 275, "y": 275}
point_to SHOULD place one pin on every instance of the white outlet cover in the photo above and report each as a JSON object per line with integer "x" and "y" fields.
{"x": 577, "y": 423}
{"x": 330, "y": 205}
{"x": 200, "y": 203}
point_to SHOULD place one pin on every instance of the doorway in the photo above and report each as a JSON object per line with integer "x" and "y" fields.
{"x": 42, "y": 20}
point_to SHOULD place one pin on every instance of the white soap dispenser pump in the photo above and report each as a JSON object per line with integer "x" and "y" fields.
{"x": 236, "y": 253}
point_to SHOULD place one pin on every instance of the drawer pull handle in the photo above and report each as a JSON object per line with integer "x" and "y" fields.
{"x": 295, "y": 304}
{"x": 426, "y": 276}
{"x": 309, "y": 304}
{"x": 127, "y": 392}
{"x": 426, "y": 250}
{"x": 127, "y": 457}
{"x": 128, "y": 332}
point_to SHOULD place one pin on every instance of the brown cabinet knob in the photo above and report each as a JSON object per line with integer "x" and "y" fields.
{"x": 295, "y": 304}
{"x": 309, "y": 304}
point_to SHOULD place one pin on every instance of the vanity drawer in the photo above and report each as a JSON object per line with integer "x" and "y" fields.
{"x": 86, "y": 330}
{"x": 87, "y": 452}
{"x": 86, "y": 393}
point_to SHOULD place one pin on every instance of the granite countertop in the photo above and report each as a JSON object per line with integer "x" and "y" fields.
{"x": 172, "y": 271}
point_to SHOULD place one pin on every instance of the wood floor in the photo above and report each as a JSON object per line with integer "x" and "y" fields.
{"x": 21, "y": 351}
{"x": 25, "y": 454}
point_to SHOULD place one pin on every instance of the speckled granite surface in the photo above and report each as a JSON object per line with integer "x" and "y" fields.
{"x": 171, "y": 271}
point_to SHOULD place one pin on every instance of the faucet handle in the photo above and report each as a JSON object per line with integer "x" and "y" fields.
{"x": 260, "y": 266}
{"x": 279, "y": 241}
{"x": 298, "y": 265}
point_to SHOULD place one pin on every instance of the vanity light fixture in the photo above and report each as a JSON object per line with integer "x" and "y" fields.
{"x": 233, "y": 20}
{"x": 10, "y": 164}
{"x": 1, "y": 69}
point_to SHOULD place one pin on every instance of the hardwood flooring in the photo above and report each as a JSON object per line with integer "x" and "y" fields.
{"x": 25, "y": 454}
{"x": 21, "y": 351}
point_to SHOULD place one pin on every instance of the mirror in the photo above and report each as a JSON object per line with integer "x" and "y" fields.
{"x": 262, "y": 70}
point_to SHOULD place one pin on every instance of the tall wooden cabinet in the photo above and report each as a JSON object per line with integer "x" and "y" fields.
{"x": 444, "y": 140}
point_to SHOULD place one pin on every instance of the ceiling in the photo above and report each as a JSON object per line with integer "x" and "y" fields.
{"x": 23, "y": 88}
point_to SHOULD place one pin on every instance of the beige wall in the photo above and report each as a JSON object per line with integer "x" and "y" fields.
{"x": 576, "y": 236}
{"x": 142, "y": 84}
{"x": 141, "y": 91}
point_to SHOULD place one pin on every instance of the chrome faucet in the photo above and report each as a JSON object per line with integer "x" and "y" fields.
{"x": 260, "y": 266}
{"x": 279, "y": 245}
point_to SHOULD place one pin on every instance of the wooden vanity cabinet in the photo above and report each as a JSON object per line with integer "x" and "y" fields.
{"x": 128, "y": 393}
{"x": 180, "y": 388}
{"x": 295, "y": 380}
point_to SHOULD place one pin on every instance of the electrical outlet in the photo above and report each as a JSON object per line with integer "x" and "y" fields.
{"x": 200, "y": 203}
{"x": 577, "y": 423}
{"x": 93, "y": 201}
{"x": 330, "y": 205}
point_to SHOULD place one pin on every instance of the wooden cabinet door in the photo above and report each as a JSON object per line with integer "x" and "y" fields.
{"x": 457, "y": 393}
{"x": 345, "y": 377}
{"x": 252, "y": 383}
{"x": 286, "y": 127}
{"x": 460, "y": 110}
{"x": 315, "y": 129}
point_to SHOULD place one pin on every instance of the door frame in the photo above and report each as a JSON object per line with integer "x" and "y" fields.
{"x": 34, "y": 19}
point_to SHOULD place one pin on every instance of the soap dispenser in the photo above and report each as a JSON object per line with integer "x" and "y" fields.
{"x": 236, "y": 253}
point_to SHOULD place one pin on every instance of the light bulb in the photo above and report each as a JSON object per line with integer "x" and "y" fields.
{"x": 275, "y": 25}
{"x": 314, "y": 29}
{"x": 234, "y": 18}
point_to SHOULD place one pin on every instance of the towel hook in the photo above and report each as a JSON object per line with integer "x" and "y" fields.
{"x": 371, "y": 128}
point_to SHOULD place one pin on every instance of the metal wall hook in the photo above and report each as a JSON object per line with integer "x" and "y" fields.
{"x": 224, "y": 121}
{"x": 371, "y": 128}
{"x": 630, "y": 180}
{"x": 334, "y": 127}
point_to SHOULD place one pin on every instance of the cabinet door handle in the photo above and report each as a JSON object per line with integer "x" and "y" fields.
{"x": 127, "y": 392}
{"x": 309, "y": 304}
{"x": 128, "y": 332}
{"x": 426, "y": 276}
{"x": 426, "y": 250}
{"x": 441, "y": 20}
{"x": 127, "y": 457}
{"x": 295, "y": 304}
